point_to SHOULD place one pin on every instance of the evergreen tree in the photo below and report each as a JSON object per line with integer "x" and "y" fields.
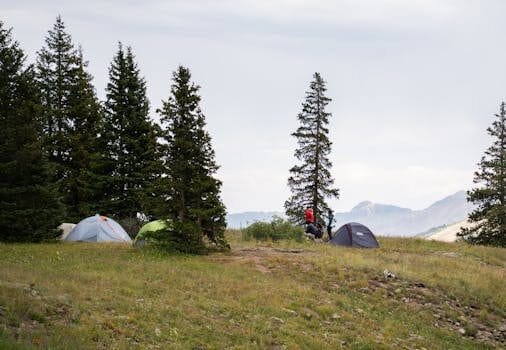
{"x": 131, "y": 140}
{"x": 57, "y": 65}
{"x": 72, "y": 119}
{"x": 29, "y": 209}
{"x": 192, "y": 192}
{"x": 311, "y": 182}
{"x": 490, "y": 198}
{"x": 82, "y": 186}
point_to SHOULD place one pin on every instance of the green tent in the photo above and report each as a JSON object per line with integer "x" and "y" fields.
{"x": 152, "y": 226}
{"x": 147, "y": 229}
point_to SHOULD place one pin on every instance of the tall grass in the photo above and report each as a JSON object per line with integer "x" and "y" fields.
{"x": 261, "y": 295}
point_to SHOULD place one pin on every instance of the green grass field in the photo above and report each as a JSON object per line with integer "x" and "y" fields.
{"x": 283, "y": 295}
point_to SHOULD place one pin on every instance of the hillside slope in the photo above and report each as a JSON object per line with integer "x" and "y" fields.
{"x": 448, "y": 233}
{"x": 408, "y": 294}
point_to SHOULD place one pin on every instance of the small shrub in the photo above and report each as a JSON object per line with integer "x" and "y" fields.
{"x": 35, "y": 316}
{"x": 483, "y": 315}
{"x": 275, "y": 230}
{"x": 471, "y": 330}
{"x": 259, "y": 231}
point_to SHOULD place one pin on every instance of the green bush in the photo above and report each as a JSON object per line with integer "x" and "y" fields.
{"x": 275, "y": 230}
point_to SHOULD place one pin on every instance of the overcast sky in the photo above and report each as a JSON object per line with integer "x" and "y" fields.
{"x": 414, "y": 83}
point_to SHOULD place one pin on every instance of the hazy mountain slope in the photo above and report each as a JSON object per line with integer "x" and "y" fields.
{"x": 382, "y": 219}
{"x": 395, "y": 221}
{"x": 378, "y": 217}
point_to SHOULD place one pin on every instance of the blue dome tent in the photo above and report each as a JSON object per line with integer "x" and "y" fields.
{"x": 98, "y": 229}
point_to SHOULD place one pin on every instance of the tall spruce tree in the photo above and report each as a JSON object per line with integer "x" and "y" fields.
{"x": 72, "y": 119}
{"x": 192, "y": 192}
{"x": 490, "y": 198}
{"x": 131, "y": 140}
{"x": 29, "y": 208}
{"x": 57, "y": 65}
{"x": 310, "y": 182}
{"x": 84, "y": 181}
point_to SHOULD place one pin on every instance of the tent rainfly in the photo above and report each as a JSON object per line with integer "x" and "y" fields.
{"x": 98, "y": 229}
{"x": 354, "y": 235}
{"x": 151, "y": 227}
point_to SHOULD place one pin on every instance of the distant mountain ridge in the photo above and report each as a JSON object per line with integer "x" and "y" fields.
{"x": 390, "y": 220}
{"x": 383, "y": 219}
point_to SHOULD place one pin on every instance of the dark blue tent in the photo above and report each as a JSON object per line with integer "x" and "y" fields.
{"x": 354, "y": 235}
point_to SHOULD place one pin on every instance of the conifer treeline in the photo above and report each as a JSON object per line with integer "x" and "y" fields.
{"x": 65, "y": 155}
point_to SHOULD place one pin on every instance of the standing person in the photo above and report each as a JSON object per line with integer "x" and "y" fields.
{"x": 329, "y": 224}
{"x": 309, "y": 216}
{"x": 310, "y": 228}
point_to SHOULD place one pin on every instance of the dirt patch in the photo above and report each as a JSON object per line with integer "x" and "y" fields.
{"x": 268, "y": 251}
{"x": 260, "y": 257}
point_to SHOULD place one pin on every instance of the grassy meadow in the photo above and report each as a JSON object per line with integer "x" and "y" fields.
{"x": 261, "y": 295}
